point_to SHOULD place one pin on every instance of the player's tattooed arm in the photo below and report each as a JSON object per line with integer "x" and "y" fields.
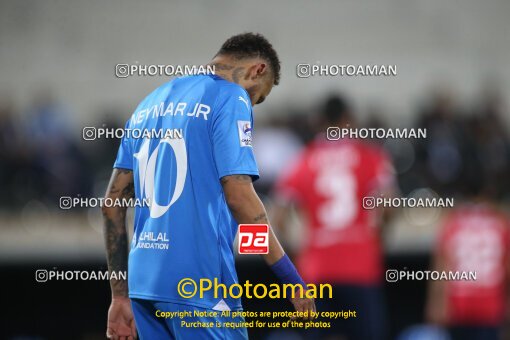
{"x": 115, "y": 234}
{"x": 239, "y": 178}
{"x": 261, "y": 218}
{"x": 247, "y": 208}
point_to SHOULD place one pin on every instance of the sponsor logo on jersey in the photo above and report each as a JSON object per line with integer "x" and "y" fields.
{"x": 244, "y": 128}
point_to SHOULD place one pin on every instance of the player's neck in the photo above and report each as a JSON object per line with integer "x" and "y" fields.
{"x": 228, "y": 69}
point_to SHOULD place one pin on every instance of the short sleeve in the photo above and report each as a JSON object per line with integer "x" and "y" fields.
{"x": 232, "y": 136}
{"x": 124, "y": 155}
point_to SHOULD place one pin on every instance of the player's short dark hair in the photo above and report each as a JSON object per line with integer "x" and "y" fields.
{"x": 335, "y": 109}
{"x": 252, "y": 45}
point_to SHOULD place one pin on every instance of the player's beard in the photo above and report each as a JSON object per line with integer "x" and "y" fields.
{"x": 252, "y": 92}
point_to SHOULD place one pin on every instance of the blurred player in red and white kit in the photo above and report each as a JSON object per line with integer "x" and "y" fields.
{"x": 475, "y": 237}
{"x": 342, "y": 246}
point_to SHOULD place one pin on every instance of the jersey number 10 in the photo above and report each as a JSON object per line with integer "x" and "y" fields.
{"x": 147, "y": 173}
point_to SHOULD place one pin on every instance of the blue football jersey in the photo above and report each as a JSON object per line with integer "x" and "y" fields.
{"x": 187, "y": 230}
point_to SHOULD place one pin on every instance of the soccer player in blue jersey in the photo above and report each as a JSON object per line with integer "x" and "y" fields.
{"x": 198, "y": 182}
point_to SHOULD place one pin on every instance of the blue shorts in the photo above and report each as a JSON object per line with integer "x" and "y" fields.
{"x": 474, "y": 332}
{"x": 151, "y": 327}
{"x": 367, "y": 301}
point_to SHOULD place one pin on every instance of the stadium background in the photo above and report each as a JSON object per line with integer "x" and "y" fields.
{"x": 57, "y": 61}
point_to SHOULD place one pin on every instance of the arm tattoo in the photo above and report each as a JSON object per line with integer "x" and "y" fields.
{"x": 260, "y": 218}
{"x": 115, "y": 234}
{"x": 129, "y": 190}
{"x": 117, "y": 255}
{"x": 114, "y": 186}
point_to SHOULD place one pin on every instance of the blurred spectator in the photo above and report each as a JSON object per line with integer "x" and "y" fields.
{"x": 11, "y": 155}
{"x": 328, "y": 183}
{"x": 56, "y": 161}
{"x": 443, "y": 155}
{"x": 276, "y": 145}
{"x": 491, "y": 144}
{"x": 102, "y": 151}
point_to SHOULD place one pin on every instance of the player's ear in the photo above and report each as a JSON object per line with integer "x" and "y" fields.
{"x": 261, "y": 69}
{"x": 257, "y": 70}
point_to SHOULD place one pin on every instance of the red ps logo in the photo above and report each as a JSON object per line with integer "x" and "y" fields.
{"x": 253, "y": 239}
